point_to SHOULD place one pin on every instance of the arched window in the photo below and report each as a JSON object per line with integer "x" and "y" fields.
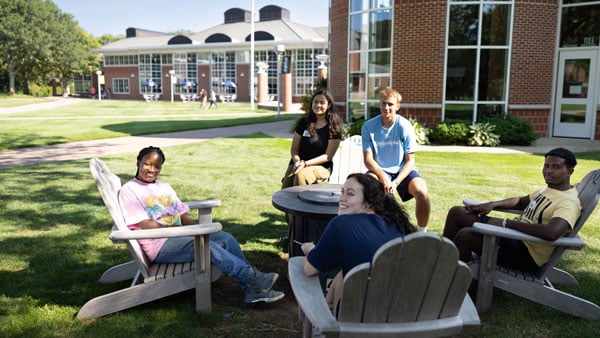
{"x": 215, "y": 38}
{"x": 180, "y": 40}
{"x": 261, "y": 36}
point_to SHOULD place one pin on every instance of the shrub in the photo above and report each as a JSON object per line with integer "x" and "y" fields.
{"x": 513, "y": 130}
{"x": 482, "y": 135}
{"x": 449, "y": 132}
{"x": 420, "y": 132}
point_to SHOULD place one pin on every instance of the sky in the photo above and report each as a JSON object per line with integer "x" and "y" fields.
{"x": 115, "y": 16}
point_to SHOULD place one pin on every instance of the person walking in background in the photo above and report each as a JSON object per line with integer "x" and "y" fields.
{"x": 389, "y": 145}
{"x": 148, "y": 203}
{"x": 314, "y": 143}
{"x": 203, "y": 99}
{"x": 213, "y": 99}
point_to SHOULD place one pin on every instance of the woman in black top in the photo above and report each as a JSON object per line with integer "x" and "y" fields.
{"x": 315, "y": 141}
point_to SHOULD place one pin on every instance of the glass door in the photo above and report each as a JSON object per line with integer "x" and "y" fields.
{"x": 575, "y": 105}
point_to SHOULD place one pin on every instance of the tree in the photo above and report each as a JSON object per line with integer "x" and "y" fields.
{"x": 39, "y": 41}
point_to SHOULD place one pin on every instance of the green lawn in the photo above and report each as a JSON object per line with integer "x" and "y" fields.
{"x": 54, "y": 244}
{"x": 92, "y": 119}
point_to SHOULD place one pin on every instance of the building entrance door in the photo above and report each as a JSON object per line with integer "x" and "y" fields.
{"x": 575, "y": 106}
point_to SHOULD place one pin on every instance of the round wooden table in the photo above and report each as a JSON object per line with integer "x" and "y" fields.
{"x": 308, "y": 208}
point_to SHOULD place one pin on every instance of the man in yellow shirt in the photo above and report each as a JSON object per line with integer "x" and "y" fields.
{"x": 549, "y": 213}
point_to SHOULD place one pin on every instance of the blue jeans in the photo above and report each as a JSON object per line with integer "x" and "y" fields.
{"x": 225, "y": 252}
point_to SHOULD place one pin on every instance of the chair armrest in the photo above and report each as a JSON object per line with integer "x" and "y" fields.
{"x": 181, "y": 231}
{"x": 574, "y": 243}
{"x": 310, "y": 298}
{"x": 203, "y": 204}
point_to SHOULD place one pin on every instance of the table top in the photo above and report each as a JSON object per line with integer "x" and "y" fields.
{"x": 309, "y": 200}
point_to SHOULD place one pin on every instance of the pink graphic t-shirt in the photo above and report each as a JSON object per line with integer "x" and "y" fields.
{"x": 155, "y": 201}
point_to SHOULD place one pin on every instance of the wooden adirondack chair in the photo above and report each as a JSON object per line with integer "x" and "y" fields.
{"x": 159, "y": 280}
{"x": 347, "y": 160}
{"x": 537, "y": 287}
{"x": 416, "y": 287}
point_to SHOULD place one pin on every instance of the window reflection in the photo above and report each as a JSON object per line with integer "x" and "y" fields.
{"x": 492, "y": 74}
{"x": 580, "y": 26}
{"x": 460, "y": 75}
{"x": 463, "y": 25}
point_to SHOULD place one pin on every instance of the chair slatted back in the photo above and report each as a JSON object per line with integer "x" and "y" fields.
{"x": 589, "y": 194}
{"x": 347, "y": 160}
{"x": 411, "y": 279}
{"x": 109, "y": 185}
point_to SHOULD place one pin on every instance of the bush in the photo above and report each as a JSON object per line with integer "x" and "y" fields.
{"x": 353, "y": 128}
{"x": 513, "y": 130}
{"x": 420, "y": 132}
{"x": 482, "y": 135}
{"x": 40, "y": 91}
{"x": 450, "y": 132}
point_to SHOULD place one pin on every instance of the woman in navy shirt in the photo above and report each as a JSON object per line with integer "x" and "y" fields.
{"x": 367, "y": 218}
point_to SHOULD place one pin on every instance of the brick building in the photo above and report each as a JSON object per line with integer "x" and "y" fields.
{"x": 536, "y": 59}
{"x": 148, "y": 63}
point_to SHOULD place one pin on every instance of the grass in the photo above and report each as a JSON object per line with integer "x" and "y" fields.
{"x": 91, "y": 119}
{"x": 54, "y": 245}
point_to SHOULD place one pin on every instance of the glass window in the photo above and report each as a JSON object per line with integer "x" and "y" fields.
{"x": 359, "y": 31}
{"x": 120, "y": 86}
{"x": 463, "y": 21}
{"x": 580, "y": 26}
{"x": 460, "y": 74}
{"x": 150, "y": 73}
{"x": 495, "y": 27}
{"x": 381, "y": 29}
{"x": 369, "y": 55}
{"x": 477, "y": 59}
{"x": 492, "y": 74}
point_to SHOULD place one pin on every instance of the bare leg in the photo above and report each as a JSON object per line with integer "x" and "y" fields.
{"x": 418, "y": 188}
{"x": 468, "y": 240}
{"x": 458, "y": 217}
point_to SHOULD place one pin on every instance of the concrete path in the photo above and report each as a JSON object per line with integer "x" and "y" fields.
{"x": 97, "y": 148}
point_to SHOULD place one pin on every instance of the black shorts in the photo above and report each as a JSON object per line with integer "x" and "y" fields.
{"x": 513, "y": 253}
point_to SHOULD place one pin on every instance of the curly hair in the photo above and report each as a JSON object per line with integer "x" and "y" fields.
{"x": 333, "y": 119}
{"x": 383, "y": 204}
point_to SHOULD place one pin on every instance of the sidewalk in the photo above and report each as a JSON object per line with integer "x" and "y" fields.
{"x": 98, "y": 148}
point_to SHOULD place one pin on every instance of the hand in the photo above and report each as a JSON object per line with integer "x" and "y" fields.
{"x": 306, "y": 247}
{"x": 299, "y": 165}
{"x": 480, "y": 210}
{"x": 389, "y": 187}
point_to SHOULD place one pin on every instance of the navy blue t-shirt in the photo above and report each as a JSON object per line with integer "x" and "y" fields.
{"x": 349, "y": 240}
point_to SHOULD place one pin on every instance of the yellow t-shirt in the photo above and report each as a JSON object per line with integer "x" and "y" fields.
{"x": 545, "y": 204}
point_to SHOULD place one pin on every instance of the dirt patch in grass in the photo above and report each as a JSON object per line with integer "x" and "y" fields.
{"x": 278, "y": 319}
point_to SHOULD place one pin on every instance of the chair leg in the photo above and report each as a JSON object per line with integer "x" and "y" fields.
{"x": 487, "y": 271}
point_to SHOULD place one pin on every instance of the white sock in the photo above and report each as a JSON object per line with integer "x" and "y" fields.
{"x": 422, "y": 229}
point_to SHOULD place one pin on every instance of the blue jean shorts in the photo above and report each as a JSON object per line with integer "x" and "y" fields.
{"x": 403, "y": 186}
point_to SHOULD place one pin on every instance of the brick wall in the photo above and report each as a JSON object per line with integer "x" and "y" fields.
{"x": 532, "y": 64}
{"x": 338, "y": 50}
{"x": 418, "y": 58}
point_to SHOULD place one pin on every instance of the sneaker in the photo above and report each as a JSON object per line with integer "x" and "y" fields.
{"x": 261, "y": 281}
{"x": 253, "y": 296}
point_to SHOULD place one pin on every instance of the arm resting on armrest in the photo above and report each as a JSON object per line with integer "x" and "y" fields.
{"x": 181, "y": 231}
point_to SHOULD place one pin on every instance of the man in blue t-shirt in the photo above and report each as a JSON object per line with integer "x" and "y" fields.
{"x": 389, "y": 145}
